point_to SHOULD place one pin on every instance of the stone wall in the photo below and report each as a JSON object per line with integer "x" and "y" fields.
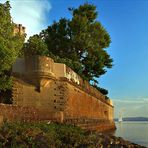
{"x": 54, "y": 92}
{"x": 26, "y": 114}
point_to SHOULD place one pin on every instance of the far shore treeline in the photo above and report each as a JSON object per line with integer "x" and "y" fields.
{"x": 79, "y": 42}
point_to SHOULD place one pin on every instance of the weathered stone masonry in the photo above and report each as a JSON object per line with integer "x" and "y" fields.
{"x": 44, "y": 90}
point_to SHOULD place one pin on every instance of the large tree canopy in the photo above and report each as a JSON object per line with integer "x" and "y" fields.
{"x": 79, "y": 42}
{"x": 10, "y": 45}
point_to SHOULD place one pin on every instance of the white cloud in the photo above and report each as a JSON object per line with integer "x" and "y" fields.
{"x": 133, "y": 107}
{"x": 30, "y": 13}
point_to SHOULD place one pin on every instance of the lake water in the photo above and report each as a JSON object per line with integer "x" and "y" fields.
{"x": 136, "y": 132}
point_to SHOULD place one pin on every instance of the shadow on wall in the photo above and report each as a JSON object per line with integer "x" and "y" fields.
{"x": 6, "y": 96}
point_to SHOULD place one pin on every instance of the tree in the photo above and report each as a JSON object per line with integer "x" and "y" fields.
{"x": 79, "y": 43}
{"x": 10, "y": 45}
{"x": 82, "y": 40}
{"x": 102, "y": 90}
{"x": 35, "y": 46}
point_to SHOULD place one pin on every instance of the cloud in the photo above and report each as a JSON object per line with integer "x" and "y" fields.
{"x": 132, "y": 107}
{"x": 32, "y": 14}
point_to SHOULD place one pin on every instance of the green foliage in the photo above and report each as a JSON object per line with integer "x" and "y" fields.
{"x": 37, "y": 135}
{"x": 42, "y": 135}
{"x": 35, "y": 46}
{"x": 81, "y": 41}
{"x": 5, "y": 82}
{"x": 10, "y": 45}
{"x": 102, "y": 90}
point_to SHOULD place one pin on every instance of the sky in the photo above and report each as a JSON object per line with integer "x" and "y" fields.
{"x": 127, "y": 23}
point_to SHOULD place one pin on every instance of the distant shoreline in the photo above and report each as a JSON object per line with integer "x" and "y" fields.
{"x": 133, "y": 119}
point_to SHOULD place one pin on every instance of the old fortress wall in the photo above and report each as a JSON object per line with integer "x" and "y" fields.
{"x": 47, "y": 91}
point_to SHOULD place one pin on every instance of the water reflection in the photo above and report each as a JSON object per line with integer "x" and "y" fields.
{"x": 120, "y": 128}
{"x": 136, "y": 132}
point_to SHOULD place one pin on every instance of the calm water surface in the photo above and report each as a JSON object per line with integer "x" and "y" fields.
{"x": 136, "y": 132}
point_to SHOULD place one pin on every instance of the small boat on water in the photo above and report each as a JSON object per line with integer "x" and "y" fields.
{"x": 120, "y": 119}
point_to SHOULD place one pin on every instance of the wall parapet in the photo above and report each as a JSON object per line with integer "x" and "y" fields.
{"x": 41, "y": 68}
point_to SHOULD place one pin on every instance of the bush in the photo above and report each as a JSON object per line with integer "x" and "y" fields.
{"x": 37, "y": 135}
